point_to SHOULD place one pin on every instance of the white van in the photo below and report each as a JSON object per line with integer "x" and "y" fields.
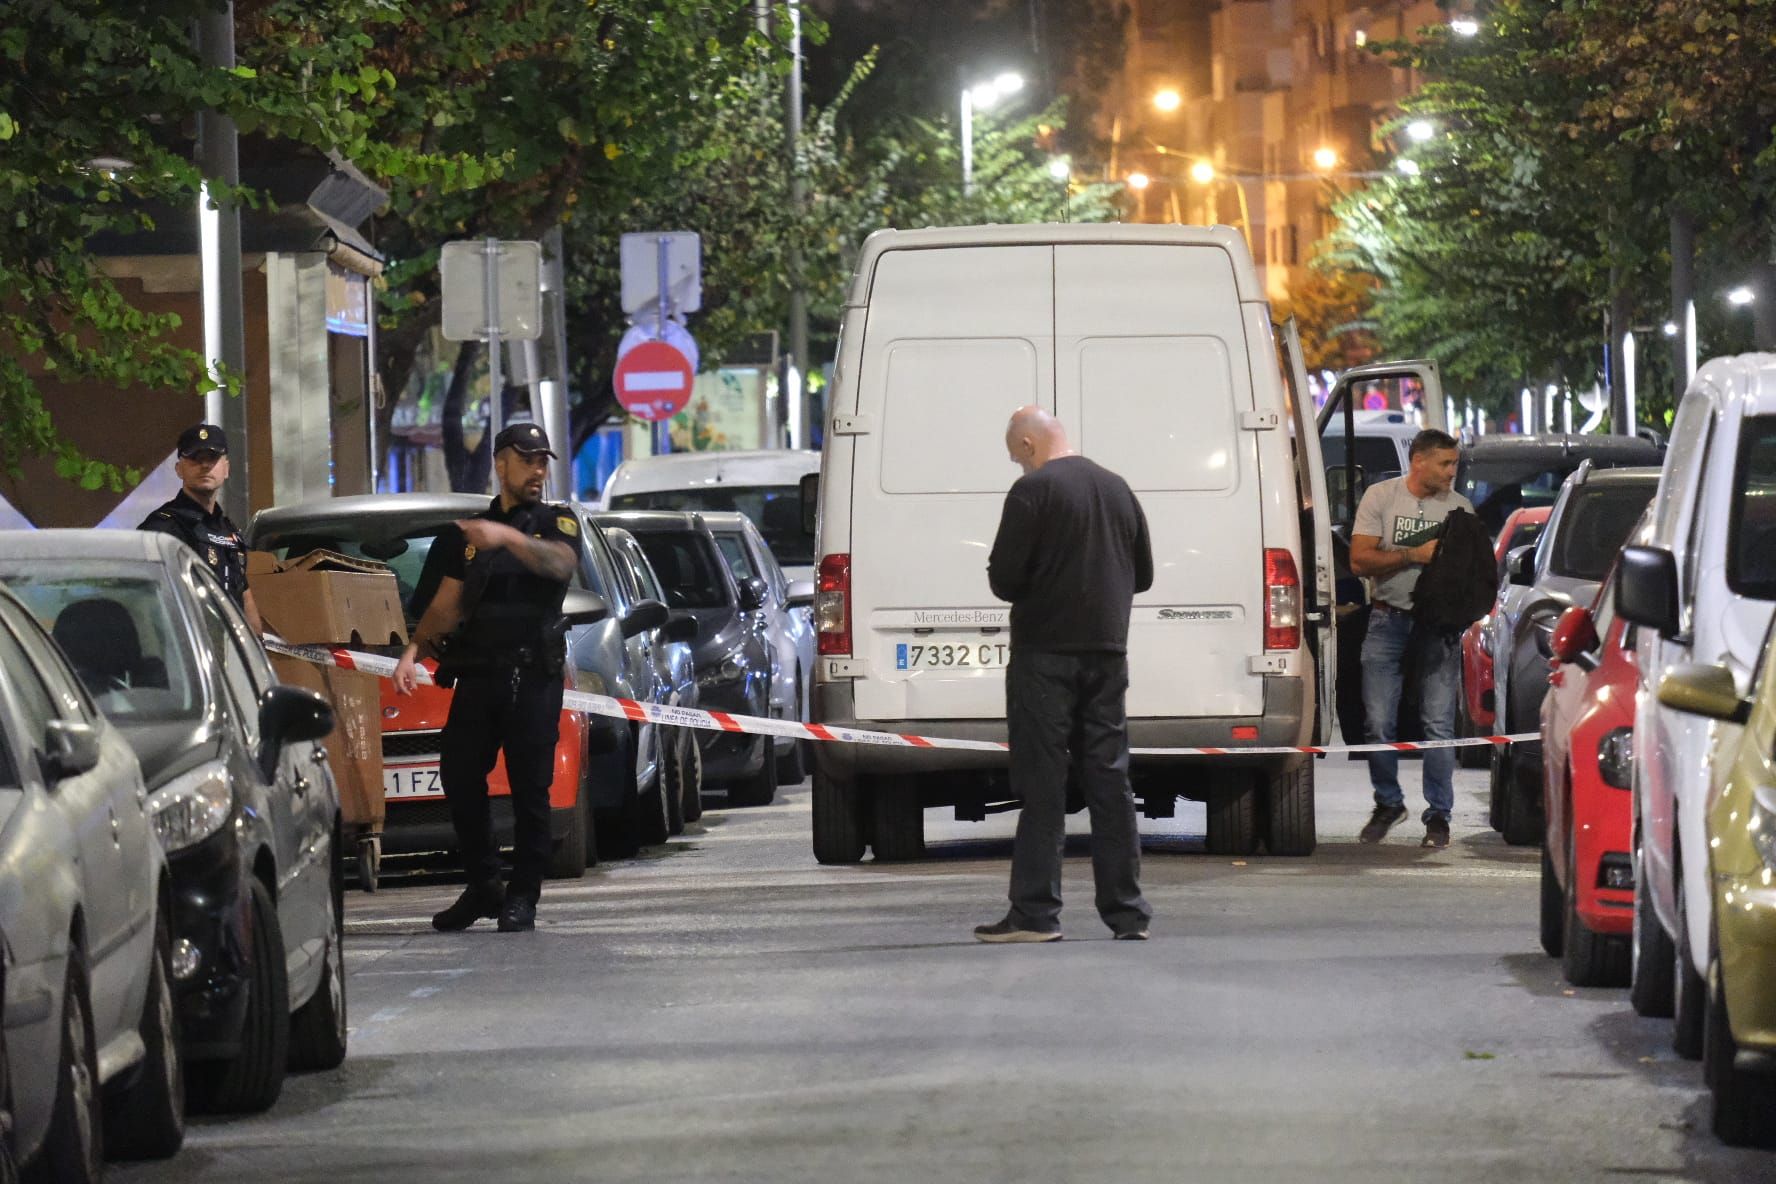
{"x": 764, "y": 485}
{"x": 1702, "y": 590}
{"x": 1154, "y": 346}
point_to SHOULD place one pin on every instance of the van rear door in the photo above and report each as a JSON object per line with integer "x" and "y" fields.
{"x": 1154, "y": 383}
{"x": 955, "y": 340}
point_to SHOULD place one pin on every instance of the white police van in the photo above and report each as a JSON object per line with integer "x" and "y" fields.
{"x": 1154, "y": 346}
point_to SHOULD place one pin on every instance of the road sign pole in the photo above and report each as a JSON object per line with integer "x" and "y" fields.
{"x": 495, "y": 380}
{"x": 663, "y": 429}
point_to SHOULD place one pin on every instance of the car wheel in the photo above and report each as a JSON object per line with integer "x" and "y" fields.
{"x": 687, "y": 773}
{"x": 1651, "y": 958}
{"x": 838, "y": 819}
{"x": 1553, "y": 912}
{"x": 318, "y": 1030}
{"x": 671, "y": 780}
{"x": 650, "y": 817}
{"x": 790, "y": 769}
{"x": 72, "y": 1148}
{"x": 1591, "y": 959}
{"x": 1743, "y": 1109}
{"x": 760, "y": 789}
{"x": 899, "y": 818}
{"x": 1472, "y": 756}
{"x": 1233, "y": 813}
{"x": 1523, "y": 802}
{"x": 1289, "y": 811}
{"x": 572, "y": 852}
{"x": 252, "y": 1081}
{"x": 145, "y": 1119}
{"x": 1690, "y": 1003}
{"x": 1497, "y": 802}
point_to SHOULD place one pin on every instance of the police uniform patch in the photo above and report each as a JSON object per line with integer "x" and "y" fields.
{"x": 469, "y": 553}
{"x": 214, "y": 559}
{"x": 566, "y": 524}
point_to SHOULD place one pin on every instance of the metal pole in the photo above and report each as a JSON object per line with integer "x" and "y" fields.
{"x": 553, "y": 412}
{"x": 797, "y": 390}
{"x": 496, "y": 383}
{"x": 1683, "y": 302}
{"x": 218, "y": 159}
{"x": 663, "y": 428}
{"x": 967, "y": 143}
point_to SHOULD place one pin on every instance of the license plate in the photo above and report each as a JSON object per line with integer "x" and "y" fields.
{"x": 421, "y": 781}
{"x": 974, "y": 654}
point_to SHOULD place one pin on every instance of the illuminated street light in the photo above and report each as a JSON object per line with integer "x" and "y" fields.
{"x": 1741, "y": 296}
{"x": 1420, "y": 130}
{"x": 1464, "y": 26}
{"x": 1202, "y": 172}
{"x": 1325, "y": 159}
{"x": 1059, "y": 169}
{"x": 1138, "y": 181}
{"x": 1408, "y": 167}
{"x": 982, "y": 95}
{"x": 1670, "y": 328}
{"x": 1168, "y": 100}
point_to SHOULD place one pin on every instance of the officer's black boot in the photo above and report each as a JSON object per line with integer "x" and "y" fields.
{"x": 478, "y": 900}
{"x": 519, "y": 914}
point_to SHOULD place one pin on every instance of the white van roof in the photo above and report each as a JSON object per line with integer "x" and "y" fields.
{"x": 1052, "y": 233}
{"x": 1751, "y": 377}
{"x": 687, "y": 470}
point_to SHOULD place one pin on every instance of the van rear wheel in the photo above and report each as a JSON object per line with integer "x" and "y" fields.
{"x": 838, "y": 819}
{"x": 899, "y": 819}
{"x": 1233, "y": 812}
{"x": 1289, "y": 810}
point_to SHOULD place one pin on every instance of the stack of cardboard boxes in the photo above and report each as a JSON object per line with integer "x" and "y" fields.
{"x": 324, "y": 598}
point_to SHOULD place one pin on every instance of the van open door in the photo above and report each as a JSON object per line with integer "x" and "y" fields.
{"x": 1316, "y": 533}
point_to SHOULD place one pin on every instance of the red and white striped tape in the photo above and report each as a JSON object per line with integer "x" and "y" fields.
{"x": 719, "y": 721}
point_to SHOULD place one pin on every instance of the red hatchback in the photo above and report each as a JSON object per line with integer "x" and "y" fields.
{"x": 1478, "y": 714}
{"x": 1587, "y": 748}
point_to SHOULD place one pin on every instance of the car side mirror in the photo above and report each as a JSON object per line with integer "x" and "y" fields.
{"x": 810, "y": 491}
{"x": 1704, "y": 690}
{"x": 581, "y": 607}
{"x": 645, "y": 616}
{"x": 289, "y": 715}
{"x": 680, "y": 626}
{"x": 1646, "y": 589}
{"x": 801, "y": 594}
{"x": 1575, "y": 636}
{"x": 752, "y": 594}
{"x": 1520, "y": 566}
{"x": 70, "y": 749}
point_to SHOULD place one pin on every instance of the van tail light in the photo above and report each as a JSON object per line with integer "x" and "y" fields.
{"x": 832, "y": 605}
{"x": 1282, "y": 601}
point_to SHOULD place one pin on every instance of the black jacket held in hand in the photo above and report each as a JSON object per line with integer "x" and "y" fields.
{"x": 1071, "y": 553}
{"x": 1460, "y": 583}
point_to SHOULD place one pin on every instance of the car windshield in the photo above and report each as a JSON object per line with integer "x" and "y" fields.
{"x": 687, "y": 568}
{"x": 121, "y": 635}
{"x": 775, "y": 509}
{"x": 405, "y": 549}
{"x": 1497, "y": 487}
{"x": 1751, "y": 551}
{"x": 733, "y": 549}
{"x": 1596, "y": 524}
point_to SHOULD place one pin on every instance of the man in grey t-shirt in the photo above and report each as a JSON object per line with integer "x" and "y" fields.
{"x": 1394, "y": 536}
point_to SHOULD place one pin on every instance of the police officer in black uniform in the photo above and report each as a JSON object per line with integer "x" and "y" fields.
{"x": 495, "y": 625}
{"x": 195, "y": 517}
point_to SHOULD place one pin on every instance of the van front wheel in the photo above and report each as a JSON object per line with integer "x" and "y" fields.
{"x": 838, "y": 819}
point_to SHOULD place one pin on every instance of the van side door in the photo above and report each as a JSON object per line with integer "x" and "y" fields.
{"x": 1321, "y": 604}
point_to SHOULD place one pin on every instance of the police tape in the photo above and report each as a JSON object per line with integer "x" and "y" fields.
{"x": 719, "y": 721}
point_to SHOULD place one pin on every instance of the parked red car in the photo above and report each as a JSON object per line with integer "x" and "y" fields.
{"x": 1587, "y": 750}
{"x": 1479, "y": 716}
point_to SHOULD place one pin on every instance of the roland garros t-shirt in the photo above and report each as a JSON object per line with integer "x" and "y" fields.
{"x": 1391, "y": 513}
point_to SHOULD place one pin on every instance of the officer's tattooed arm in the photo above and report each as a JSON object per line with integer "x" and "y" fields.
{"x": 442, "y": 616}
{"x": 549, "y": 558}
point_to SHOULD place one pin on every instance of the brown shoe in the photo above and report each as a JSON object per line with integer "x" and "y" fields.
{"x": 1436, "y": 832}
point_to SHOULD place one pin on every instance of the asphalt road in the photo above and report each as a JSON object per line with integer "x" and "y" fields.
{"x": 726, "y": 1009}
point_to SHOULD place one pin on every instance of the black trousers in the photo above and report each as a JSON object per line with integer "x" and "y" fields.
{"x": 1066, "y": 719}
{"x": 519, "y": 712}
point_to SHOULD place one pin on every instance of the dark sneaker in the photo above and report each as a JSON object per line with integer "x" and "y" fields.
{"x": 1132, "y": 935}
{"x": 1383, "y": 820}
{"x": 519, "y": 915}
{"x": 1436, "y": 832}
{"x": 478, "y": 901}
{"x": 1005, "y": 931}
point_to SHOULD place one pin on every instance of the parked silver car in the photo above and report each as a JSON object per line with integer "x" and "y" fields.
{"x": 784, "y": 614}
{"x": 85, "y": 903}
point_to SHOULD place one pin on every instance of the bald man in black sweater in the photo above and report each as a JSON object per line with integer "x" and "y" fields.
{"x": 1071, "y": 552}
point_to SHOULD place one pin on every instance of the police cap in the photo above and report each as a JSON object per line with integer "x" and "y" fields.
{"x": 527, "y": 438}
{"x": 204, "y": 437}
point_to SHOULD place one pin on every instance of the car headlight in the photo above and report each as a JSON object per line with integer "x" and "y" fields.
{"x": 192, "y": 806}
{"x": 1615, "y": 758}
{"x": 728, "y": 670}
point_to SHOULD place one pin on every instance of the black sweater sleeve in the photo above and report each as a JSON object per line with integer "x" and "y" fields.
{"x": 1143, "y": 549}
{"x": 1008, "y": 567}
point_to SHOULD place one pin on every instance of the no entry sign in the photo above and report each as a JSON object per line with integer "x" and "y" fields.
{"x": 653, "y": 381}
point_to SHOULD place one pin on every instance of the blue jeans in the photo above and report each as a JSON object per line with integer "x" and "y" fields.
{"x": 1438, "y": 662}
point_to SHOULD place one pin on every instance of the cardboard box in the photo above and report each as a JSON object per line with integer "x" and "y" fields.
{"x": 354, "y": 750}
{"x": 325, "y": 598}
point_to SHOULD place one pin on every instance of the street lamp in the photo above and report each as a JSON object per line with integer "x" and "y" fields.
{"x": 1325, "y": 159}
{"x": 1464, "y": 26}
{"x": 1139, "y": 181}
{"x": 1203, "y": 172}
{"x": 1408, "y": 167}
{"x": 1741, "y": 296}
{"x": 1168, "y": 100}
{"x": 982, "y": 95}
{"x": 1420, "y": 130}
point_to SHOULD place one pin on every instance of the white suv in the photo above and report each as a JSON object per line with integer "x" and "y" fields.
{"x": 1702, "y": 588}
